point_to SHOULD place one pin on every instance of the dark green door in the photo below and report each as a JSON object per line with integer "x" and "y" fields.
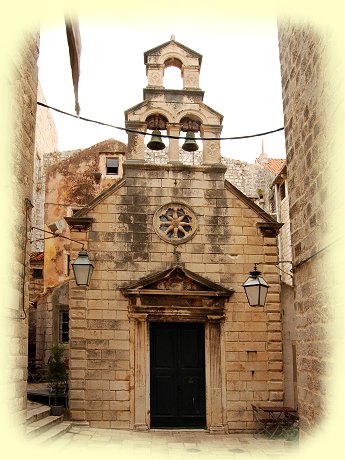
{"x": 177, "y": 383}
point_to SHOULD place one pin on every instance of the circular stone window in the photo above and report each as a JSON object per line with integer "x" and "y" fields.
{"x": 175, "y": 223}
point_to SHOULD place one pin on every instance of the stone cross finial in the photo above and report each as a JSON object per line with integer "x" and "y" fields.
{"x": 172, "y": 38}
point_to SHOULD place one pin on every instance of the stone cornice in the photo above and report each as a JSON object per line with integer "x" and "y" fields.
{"x": 269, "y": 228}
{"x": 197, "y": 93}
{"x": 79, "y": 223}
{"x": 132, "y": 164}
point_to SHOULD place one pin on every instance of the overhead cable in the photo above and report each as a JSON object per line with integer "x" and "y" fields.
{"x": 143, "y": 133}
{"x": 316, "y": 253}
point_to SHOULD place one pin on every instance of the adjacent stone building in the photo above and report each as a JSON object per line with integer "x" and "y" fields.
{"x": 46, "y": 141}
{"x": 21, "y": 87}
{"x": 164, "y": 336}
{"x": 72, "y": 179}
{"x": 304, "y": 98}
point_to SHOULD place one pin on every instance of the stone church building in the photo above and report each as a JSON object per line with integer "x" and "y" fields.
{"x": 164, "y": 335}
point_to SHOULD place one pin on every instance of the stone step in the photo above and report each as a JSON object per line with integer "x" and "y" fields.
{"x": 37, "y": 413}
{"x": 37, "y": 427}
{"x": 53, "y": 433}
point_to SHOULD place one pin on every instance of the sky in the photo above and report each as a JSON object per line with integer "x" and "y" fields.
{"x": 240, "y": 75}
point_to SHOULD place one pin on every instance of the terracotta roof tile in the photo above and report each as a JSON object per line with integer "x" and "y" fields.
{"x": 274, "y": 165}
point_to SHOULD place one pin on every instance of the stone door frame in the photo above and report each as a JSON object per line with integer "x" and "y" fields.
{"x": 174, "y": 295}
{"x": 214, "y": 367}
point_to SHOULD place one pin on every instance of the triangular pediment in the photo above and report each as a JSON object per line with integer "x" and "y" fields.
{"x": 158, "y": 49}
{"x": 176, "y": 280}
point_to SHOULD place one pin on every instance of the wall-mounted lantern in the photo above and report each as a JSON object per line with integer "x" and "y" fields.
{"x": 82, "y": 269}
{"x": 256, "y": 288}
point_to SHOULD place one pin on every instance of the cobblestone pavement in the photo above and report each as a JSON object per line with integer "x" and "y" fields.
{"x": 173, "y": 444}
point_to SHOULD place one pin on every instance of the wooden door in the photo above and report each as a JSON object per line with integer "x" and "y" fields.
{"x": 177, "y": 380}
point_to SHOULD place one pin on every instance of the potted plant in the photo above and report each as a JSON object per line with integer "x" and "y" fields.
{"x": 57, "y": 377}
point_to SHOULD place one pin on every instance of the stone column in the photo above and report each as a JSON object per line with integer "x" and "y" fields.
{"x": 211, "y": 149}
{"x": 190, "y": 77}
{"x": 140, "y": 375}
{"x": 155, "y": 73}
{"x": 136, "y": 148}
{"x": 216, "y": 384}
{"x": 173, "y": 129}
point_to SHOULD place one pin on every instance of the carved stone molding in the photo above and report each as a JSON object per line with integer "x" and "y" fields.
{"x": 177, "y": 295}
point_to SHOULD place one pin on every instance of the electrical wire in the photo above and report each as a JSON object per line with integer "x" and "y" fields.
{"x": 55, "y": 236}
{"x": 43, "y": 239}
{"x": 315, "y": 254}
{"x": 283, "y": 271}
{"x": 143, "y": 133}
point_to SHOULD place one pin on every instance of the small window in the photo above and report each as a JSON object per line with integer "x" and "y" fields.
{"x": 63, "y": 326}
{"x": 37, "y": 273}
{"x": 282, "y": 191}
{"x": 113, "y": 166}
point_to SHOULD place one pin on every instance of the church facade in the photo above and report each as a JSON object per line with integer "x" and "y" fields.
{"x": 163, "y": 337}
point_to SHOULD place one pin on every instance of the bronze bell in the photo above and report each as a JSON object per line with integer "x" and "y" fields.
{"x": 190, "y": 144}
{"x": 156, "y": 142}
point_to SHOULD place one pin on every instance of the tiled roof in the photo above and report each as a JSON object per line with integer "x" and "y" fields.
{"x": 274, "y": 165}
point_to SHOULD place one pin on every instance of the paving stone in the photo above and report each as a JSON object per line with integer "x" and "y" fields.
{"x": 178, "y": 445}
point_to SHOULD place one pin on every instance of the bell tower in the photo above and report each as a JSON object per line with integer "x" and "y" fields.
{"x": 173, "y": 111}
{"x": 189, "y": 63}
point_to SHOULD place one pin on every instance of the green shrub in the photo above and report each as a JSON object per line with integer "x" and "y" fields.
{"x": 57, "y": 372}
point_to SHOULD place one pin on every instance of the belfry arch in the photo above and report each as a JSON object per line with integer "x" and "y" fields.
{"x": 172, "y": 77}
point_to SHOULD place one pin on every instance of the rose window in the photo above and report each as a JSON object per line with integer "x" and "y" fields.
{"x": 175, "y": 223}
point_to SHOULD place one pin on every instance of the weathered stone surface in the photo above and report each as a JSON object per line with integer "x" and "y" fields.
{"x": 306, "y": 99}
{"x": 246, "y": 329}
{"x": 20, "y": 80}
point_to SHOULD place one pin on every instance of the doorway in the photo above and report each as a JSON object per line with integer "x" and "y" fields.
{"x": 177, "y": 375}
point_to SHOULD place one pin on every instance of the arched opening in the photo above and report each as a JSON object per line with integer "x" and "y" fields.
{"x": 190, "y": 126}
{"x": 156, "y": 123}
{"x": 173, "y": 74}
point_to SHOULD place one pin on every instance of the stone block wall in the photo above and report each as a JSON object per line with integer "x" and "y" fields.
{"x": 302, "y": 66}
{"x": 124, "y": 247}
{"x": 36, "y": 283}
{"x": 46, "y": 140}
{"x": 22, "y": 90}
{"x": 289, "y": 346}
{"x": 246, "y": 177}
{"x": 70, "y": 182}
